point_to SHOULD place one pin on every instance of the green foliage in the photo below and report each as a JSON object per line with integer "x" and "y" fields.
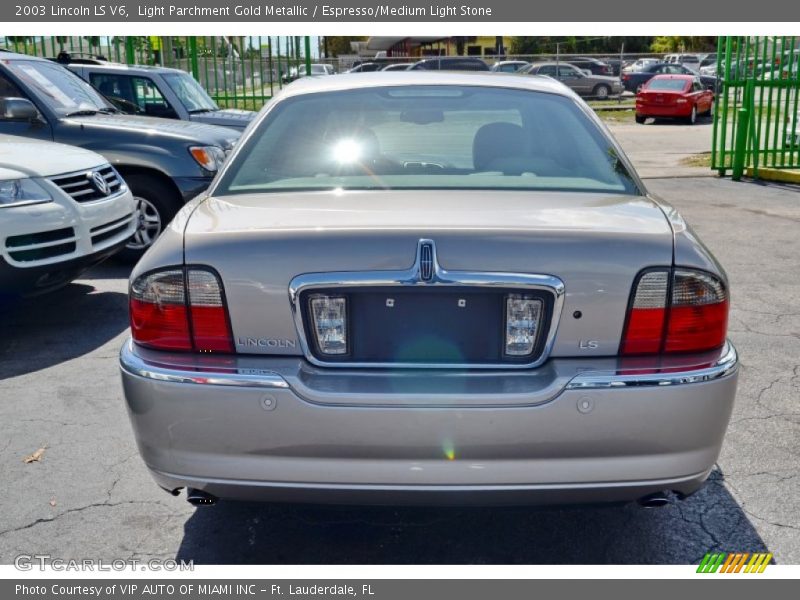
{"x": 340, "y": 44}
{"x": 684, "y": 43}
{"x": 575, "y": 44}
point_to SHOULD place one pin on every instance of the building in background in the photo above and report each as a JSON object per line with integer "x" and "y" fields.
{"x": 418, "y": 47}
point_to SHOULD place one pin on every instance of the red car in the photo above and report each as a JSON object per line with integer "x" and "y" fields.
{"x": 674, "y": 97}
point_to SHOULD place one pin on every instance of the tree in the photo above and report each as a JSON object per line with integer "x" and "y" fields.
{"x": 93, "y": 40}
{"x": 683, "y": 43}
{"x": 575, "y": 45}
{"x": 340, "y": 44}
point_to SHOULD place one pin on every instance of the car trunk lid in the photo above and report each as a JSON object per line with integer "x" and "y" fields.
{"x": 595, "y": 243}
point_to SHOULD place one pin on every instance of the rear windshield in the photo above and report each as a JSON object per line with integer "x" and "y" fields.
{"x": 426, "y": 137}
{"x": 674, "y": 85}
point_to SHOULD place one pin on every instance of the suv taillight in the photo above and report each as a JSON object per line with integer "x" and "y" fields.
{"x": 676, "y": 310}
{"x": 180, "y": 309}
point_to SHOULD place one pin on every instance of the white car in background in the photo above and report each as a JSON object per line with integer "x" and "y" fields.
{"x": 62, "y": 210}
{"x": 793, "y": 132}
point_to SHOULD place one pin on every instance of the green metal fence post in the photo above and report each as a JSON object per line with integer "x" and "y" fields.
{"x": 740, "y": 147}
{"x": 743, "y": 131}
{"x": 308, "y": 55}
{"x": 193, "y": 57}
{"x": 130, "y": 53}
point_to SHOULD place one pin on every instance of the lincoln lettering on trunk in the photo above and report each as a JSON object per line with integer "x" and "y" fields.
{"x": 264, "y": 342}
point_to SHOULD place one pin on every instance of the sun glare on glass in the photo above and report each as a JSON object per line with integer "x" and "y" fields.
{"x": 347, "y": 151}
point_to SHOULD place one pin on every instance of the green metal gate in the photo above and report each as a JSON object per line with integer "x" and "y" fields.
{"x": 238, "y": 72}
{"x": 757, "y": 117}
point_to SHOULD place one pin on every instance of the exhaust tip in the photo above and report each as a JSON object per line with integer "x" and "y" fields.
{"x": 657, "y": 500}
{"x": 199, "y": 497}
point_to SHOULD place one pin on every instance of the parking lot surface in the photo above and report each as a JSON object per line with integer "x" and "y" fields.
{"x": 89, "y": 495}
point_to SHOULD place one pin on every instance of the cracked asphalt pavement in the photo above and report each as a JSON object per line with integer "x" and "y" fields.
{"x": 90, "y": 496}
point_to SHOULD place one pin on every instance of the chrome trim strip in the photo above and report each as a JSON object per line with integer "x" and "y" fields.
{"x": 132, "y": 363}
{"x": 725, "y": 365}
{"x": 413, "y": 278}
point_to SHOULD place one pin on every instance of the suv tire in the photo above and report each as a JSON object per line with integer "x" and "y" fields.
{"x": 156, "y": 204}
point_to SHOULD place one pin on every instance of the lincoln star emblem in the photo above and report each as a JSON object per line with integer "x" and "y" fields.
{"x": 99, "y": 182}
{"x": 426, "y": 260}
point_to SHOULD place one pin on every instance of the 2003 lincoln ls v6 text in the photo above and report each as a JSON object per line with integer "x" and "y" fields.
{"x": 429, "y": 287}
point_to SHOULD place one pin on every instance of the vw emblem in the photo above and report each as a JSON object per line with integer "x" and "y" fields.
{"x": 99, "y": 182}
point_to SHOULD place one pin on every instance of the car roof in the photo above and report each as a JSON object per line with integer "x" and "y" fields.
{"x": 683, "y": 76}
{"x": 450, "y": 58}
{"x": 6, "y": 56}
{"x": 18, "y": 56}
{"x": 111, "y": 66}
{"x": 552, "y": 63}
{"x": 354, "y": 81}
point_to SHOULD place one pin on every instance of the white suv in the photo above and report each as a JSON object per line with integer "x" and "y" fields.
{"x": 62, "y": 210}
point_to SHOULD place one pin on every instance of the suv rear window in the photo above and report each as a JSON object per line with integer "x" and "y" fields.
{"x": 426, "y": 137}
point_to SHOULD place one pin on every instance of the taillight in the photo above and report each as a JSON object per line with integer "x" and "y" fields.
{"x": 680, "y": 310}
{"x": 698, "y": 317}
{"x": 180, "y": 309}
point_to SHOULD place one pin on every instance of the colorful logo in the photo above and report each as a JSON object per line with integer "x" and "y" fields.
{"x": 734, "y": 562}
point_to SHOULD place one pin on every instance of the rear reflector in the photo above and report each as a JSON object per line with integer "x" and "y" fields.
{"x": 164, "y": 317}
{"x": 695, "y": 319}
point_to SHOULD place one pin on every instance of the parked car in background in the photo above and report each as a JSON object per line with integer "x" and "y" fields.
{"x": 450, "y": 63}
{"x": 509, "y": 66}
{"x": 404, "y": 66}
{"x": 793, "y": 132}
{"x": 317, "y": 70}
{"x": 690, "y": 61}
{"x": 593, "y": 65}
{"x": 390, "y": 301}
{"x": 595, "y": 86}
{"x": 706, "y": 60}
{"x": 159, "y": 92}
{"x": 777, "y": 72}
{"x": 633, "y": 80}
{"x": 709, "y": 70}
{"x": 675, "y": 97}
{"x": 165, "y": 162}
{"x": 367, "y": 67}
{"x": 639, "y": 64}
{"x": 62, "y": 210}
{"x": 615, "y": 63}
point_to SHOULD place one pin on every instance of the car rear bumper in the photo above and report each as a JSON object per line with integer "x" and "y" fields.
{"x": 654, "y": 110}
{"x": 252, "y": 433}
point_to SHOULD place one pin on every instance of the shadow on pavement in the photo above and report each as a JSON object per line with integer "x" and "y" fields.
{"x": 43, "y": 331}
{"x": 236, "y": 533}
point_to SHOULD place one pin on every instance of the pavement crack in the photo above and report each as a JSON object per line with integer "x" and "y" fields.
{"x": 79, "y": 509}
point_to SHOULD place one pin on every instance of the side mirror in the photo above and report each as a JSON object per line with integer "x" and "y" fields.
{"x": 18, "y": 109}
